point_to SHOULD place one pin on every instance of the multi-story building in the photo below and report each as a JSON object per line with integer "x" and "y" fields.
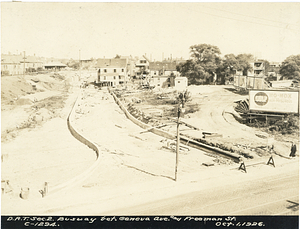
{"x": 16, "y": 64}
{"x": 112, "y": 72}
{"x": 130, "y": 65}
{"x": 163, "y": 68}
{"x": 11, "y": 64}
{"x": 165, "y": 75}
{"x": 259, "y": 68}
{"x": 142, "y": 67}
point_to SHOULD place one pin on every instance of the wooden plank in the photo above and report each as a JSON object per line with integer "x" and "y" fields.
{"x": 184, "y": 123}
{"x": 144, "y": 131}
{"x": 134, "y": 136}
{"x": 213, "y": 135}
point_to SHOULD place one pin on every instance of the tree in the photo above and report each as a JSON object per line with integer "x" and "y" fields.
{"x": 195, "y": 73}
{"x": 243, "y": 63}
{"x": 227, "y": 68}
{"x": 73, "y": 64}
{"x": 207, "y": 60}
{"x": 290, "y": 68}
{"x": 203, "y": 65}
{"x": 183, "y": 97}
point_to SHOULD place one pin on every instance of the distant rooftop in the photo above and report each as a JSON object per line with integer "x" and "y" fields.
{"x": 111, "y": 63}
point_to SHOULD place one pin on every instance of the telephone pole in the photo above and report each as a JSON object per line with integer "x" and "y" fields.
{"x": 24, "y": 58}
{"x": 79, "y": 66}
{"x": 180, "y": 110}
{"x": 177, "y": 143}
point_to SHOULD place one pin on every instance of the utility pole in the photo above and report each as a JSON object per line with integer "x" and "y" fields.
{"x": 180, "y": 110}
{"x": 79, "y": 67}
{"x": 24, "y": 58}
{"x": 177, "y": 143}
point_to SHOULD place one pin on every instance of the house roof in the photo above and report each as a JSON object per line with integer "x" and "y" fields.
{"x": 146, "y": 58}
{"x": 111, "y": 63}
{"x": 31, "y": 59}
{"x": 10, "y": 59}
{"x": 55, "y": 64}
{"x": 17, "y": 59}
{"x": 160, "y": 66}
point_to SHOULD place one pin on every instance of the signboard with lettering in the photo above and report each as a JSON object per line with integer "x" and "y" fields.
{"x": 274, "y": 101}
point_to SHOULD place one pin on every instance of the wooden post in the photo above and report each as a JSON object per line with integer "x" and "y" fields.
{"x": 177, "y": 143}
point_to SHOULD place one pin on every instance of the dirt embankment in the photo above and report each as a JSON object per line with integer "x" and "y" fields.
{"x": 37, "y": 146}
{"x": 29, "y": 101}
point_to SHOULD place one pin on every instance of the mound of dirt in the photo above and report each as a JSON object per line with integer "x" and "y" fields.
{"x": 23, "y": 101}
{"x": 13, "y": 87}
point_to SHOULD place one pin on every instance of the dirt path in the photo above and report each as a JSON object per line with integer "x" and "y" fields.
{"x": 214, "y": 106}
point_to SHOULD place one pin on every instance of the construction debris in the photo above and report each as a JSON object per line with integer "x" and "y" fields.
{"x": 140, "y": 138}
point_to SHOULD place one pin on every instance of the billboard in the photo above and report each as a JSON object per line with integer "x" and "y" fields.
{"x": 274, "y": 101}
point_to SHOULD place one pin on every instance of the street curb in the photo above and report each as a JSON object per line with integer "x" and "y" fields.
{"x": 80, "y": 137}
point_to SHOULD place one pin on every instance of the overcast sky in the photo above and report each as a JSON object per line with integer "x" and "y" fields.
{"x": 266, "y": 30}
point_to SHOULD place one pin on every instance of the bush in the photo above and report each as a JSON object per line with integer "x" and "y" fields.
{"x": 288, "y": 125}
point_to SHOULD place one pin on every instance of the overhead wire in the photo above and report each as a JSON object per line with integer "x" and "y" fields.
{"x": 286, "y": 23}
{"x": 281, "y": 27}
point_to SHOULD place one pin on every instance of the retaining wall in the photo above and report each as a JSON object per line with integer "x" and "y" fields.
{"x": 140, "y": 123}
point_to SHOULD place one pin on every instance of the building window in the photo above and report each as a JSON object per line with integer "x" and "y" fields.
{"x": 114, "y": 77}
{"x": 115, "y": 70}
{"x": 105, "y": 70}
{"x": 104, "y": 77}
{"x": 158, "y": 85}
{"x": 119, "y": 77}
{"x": 178, "y": 81}
{"x": 122, "y": 69}
{"x": 154, "y": 73}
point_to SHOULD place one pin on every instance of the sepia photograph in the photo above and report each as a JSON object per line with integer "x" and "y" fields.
{"x": 150, "y": 114}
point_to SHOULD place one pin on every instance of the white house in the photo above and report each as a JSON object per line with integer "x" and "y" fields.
{"x": 112, "y": 72}
{"x": 16, "y": 64}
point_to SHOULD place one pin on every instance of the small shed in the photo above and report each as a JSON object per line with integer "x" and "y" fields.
{"x": 181, "y": 83}
{"x": 54, "y": 66}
